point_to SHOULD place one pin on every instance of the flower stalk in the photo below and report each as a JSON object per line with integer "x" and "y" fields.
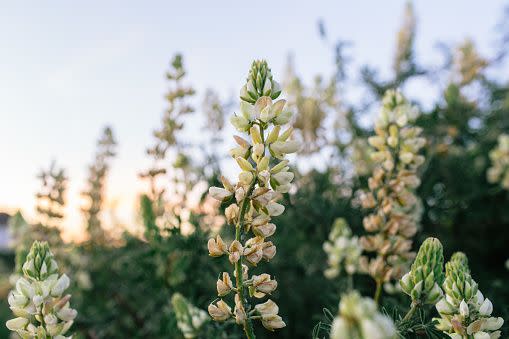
{"x": 394, "y": 207}
{"x": 251, "y": 203}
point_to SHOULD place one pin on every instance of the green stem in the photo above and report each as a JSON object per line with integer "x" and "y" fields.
{"x": 239, "y": 229}
{"x": 411, "y": 312}
{"x": 350, "y": 282}
{"x": 378, "y": 292}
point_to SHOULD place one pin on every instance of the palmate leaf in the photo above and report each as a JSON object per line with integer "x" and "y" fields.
{"x": 419, "y": 326}
{"x": 322, "y": 329}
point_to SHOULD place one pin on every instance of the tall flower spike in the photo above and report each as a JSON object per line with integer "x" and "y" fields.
{"x": 359, "y": 318}
{"x": 394, "y": 206}
{"x": 252, "y": 202}
{"x": 38, "y": 301}
{"x": 499, "y": 156}
{"x": 423, "y": 282}
{"x": 464, "y": 312}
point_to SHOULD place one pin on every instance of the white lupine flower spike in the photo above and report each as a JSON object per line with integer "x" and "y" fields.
{"x": 253, "y": 201}
{"x": 359, "y": 318}
{"x": 464, "y": 312}
{"x": 38, "y": 300}
{"x": 395, "y": 212}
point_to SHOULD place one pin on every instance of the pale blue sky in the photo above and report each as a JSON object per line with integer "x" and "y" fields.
{"x": 69, "y": 67}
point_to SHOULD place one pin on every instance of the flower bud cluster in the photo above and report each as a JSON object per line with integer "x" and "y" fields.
{"x": 251, "y": 203}
{"x": 393, "y": 221}
{"x": 359, "y": 318}
{"x": 464, "y": 311}
{"x": 190, "y": 319}
{"x": 259, "y": 83}
{"x": 343, "y": 250}
{"x": 38, "y": 301}
{"x": 499, "y": 170}
{"x": 423, "y": 282}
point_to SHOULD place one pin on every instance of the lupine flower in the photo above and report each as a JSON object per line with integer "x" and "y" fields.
{"x": 343, "y": 250}
{"x": 263, "y": 284}
{"x": 423, "y": 281}
{"x": 38, "y": 301}
{"x": 268, "y": 311}
{"x": 239, "y": 311}
{"x": 464, "y": 311}
{"x": 252, "y": 202}
{"x": 220, "y": 311}
{"x": 359, "y": 318}
{"x": 190, "y": 319}
{"x": 224, "y": 285}
{"x": 499, "y": 170}
{"x": 394, "y": 218}
{"x": 217, "y": 247}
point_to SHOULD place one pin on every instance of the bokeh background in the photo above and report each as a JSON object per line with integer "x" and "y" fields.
{"x": 69, "y": 70}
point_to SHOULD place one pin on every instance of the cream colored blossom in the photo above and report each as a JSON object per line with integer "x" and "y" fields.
{"x": 216, "y": 247}
{"x": 220, "y": 311}
{"x": 231, "y": 213}
{"x": 38, "y": 300}
{"x": 235, "y": 251}
{"x": 224, "y": 285}
{"x": 220, "y": 194}
{"x": 265, "y": 230}
{"x": 264, "y": 284}
{"x": 239, "y": 311}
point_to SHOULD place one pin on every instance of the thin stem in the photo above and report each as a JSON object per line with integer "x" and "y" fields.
{"x": 378, "y": 292}
{"x": 239, "y": 230}
{"x": 350, "y": 282}
{"x": 411, "y": 312}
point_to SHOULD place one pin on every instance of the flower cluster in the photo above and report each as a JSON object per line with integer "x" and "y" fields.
{"x": 259, "y": 83}
{"x": 343, "y": 250}
{"x": 38, "y": 302}
{"x": 464, "y": 311}
{"x": 190, "y": 319}
{"x": 359, "y": 319}
{"x": 393, "y": 221}
{"x": 252, "y": 201}
{"x": 423, "y": 281}
{"x": 499, "y": 170}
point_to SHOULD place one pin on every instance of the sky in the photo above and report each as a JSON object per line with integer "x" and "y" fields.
{"x": 67, "y": 68}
